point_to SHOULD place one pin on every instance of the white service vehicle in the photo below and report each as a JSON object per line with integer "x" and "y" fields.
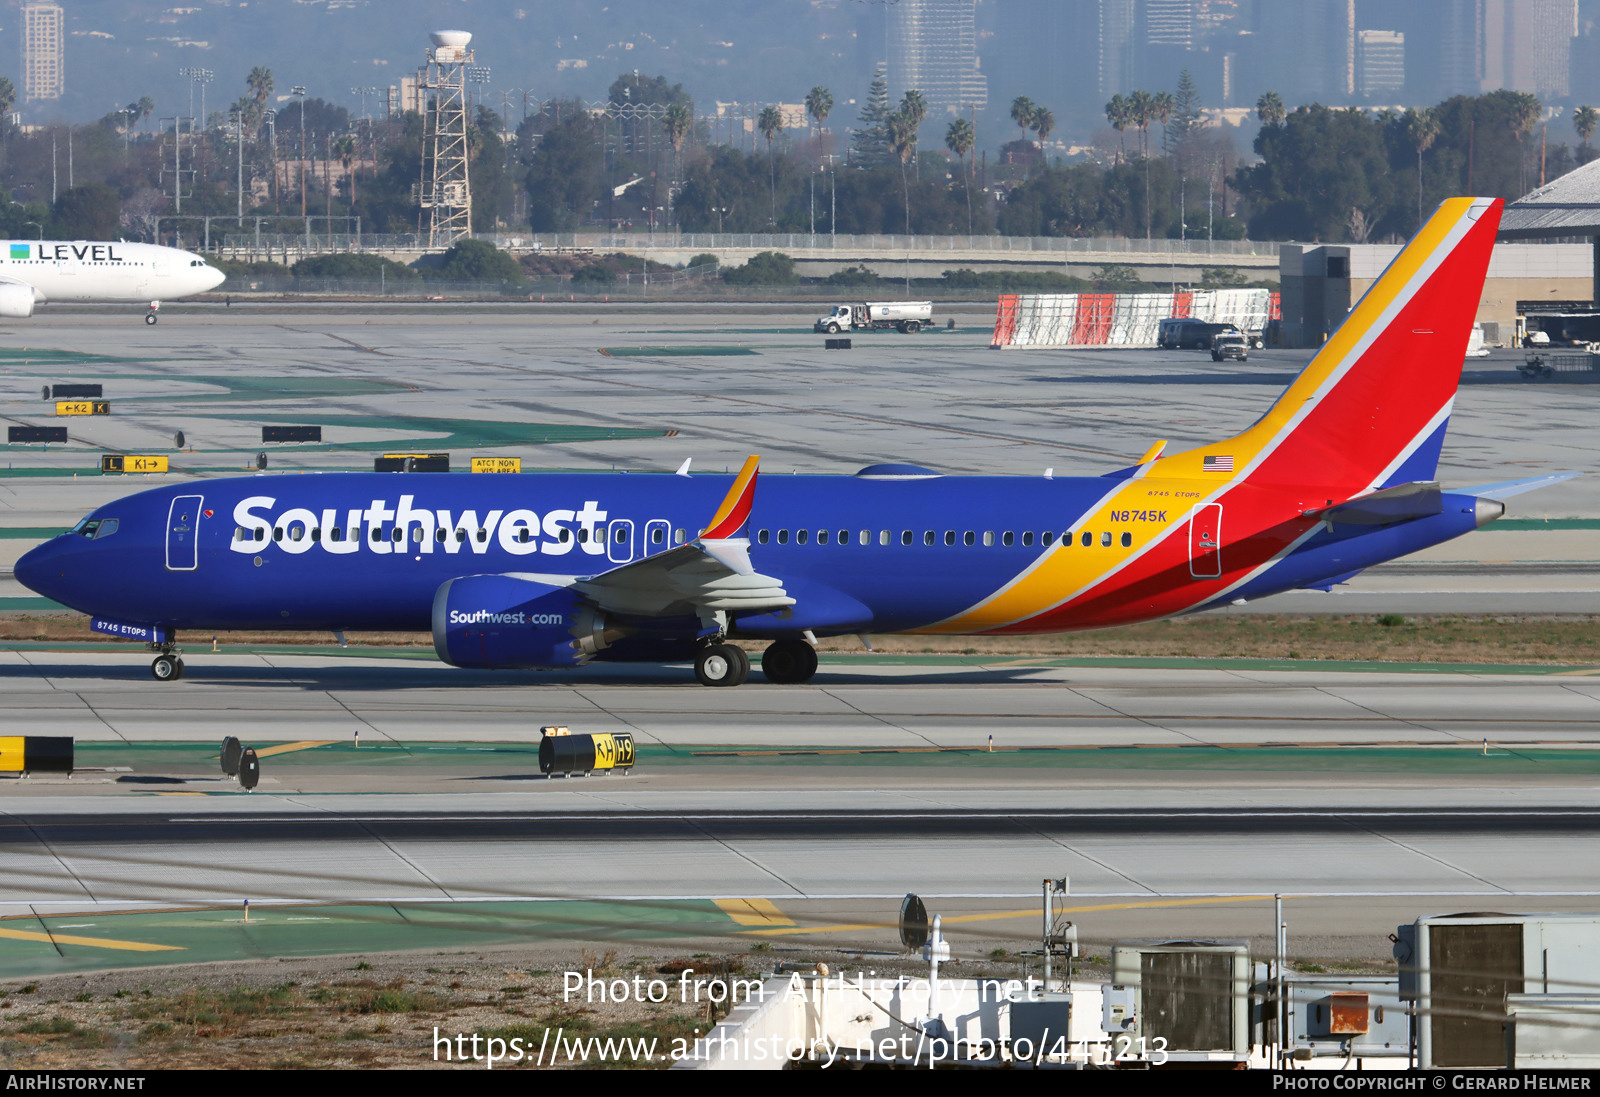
{"x": 39, "y": 271}
{"x": 909, "y": 317}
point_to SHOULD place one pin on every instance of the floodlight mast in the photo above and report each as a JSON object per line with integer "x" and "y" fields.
{"x": 445, "y": 190}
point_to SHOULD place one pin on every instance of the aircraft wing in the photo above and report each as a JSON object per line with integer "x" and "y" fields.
{"x": 710, "y": 575}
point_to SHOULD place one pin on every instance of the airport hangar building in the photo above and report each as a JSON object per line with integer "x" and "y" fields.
{"x": 1548, "y": 250}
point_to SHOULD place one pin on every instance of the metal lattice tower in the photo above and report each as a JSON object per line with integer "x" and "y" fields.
{"x": 445, "y": 191}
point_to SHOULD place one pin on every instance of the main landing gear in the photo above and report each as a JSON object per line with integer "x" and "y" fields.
{"x": 785, "y": 662}
{"x": 722, "y": 665}
{"x": 789, "y": 662}
{"x": 168, "y": 666}
{"x": 150, "y": 318}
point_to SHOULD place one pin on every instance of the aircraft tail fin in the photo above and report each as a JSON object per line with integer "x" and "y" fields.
{"x": 1370, "y": 409}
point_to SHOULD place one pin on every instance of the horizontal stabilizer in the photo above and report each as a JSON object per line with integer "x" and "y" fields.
{"x": 1507, "y": 488}
{"x": 1400, "y": 503}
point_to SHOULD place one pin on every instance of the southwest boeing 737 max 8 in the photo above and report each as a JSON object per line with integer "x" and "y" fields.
{"x": 38, "y": 271}
{"x": 554, "y": 571}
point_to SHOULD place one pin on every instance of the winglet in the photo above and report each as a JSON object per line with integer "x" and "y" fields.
{"x": 735, "y": 508}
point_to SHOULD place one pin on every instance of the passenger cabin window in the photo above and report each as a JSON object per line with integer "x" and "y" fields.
{"x": 1027, "y": 538}
{"x": 483, "y": 535}
{"x": 1087, "y": 539}
{"x": 930, "y": 538}
{"x": 801, "y": 536}
{"x": 906, "y": 537}
{"x": 949, "y": 536}
{"x": 1127, "y": 540}
{"x": 1005, "y": 538}
{"x": 761, "y": 536}
{"x": 1105, "y": 539}
{"x": 988, "y": 537}
{"x": 844, "y": 537}
{"x": 969, "y": 538}
{"x": 1048, "y": 536}
{"x": 677, "y": 536}
{"x": 866, "y": 537}
{"x": 883, "y": 537}
{"x": 657, "y": 536}
{"x": 822, "y": 537}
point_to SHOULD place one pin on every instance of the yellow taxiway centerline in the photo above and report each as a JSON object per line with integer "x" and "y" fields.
{"x": 1034, "y": 913}
{"x": 754, "y": 912}
{"x": 92, "y": 942}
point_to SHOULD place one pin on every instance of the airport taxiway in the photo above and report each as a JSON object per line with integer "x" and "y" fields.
{"x": 1198, "y": 803}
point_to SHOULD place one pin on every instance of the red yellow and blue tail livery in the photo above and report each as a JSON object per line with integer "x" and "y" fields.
{"x": 555, "y": 571}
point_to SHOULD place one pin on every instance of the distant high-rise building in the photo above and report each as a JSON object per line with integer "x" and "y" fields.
{"x": 1169, "y": 23}
{"x": 43, "y": 51}
{"x": 1118, "y": 25}
{"x": 933, "y": 49}
{"x": 1307, "y": 50}
{"x": 1380, "y": 65}
{"x": 1526, "y": 44}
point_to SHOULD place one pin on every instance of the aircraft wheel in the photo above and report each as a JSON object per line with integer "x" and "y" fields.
{"x": 166, "y": 668}
{"x": 789, "y": 662}
{"x": 150, "y": 318}
{"x": 722, "y": 665}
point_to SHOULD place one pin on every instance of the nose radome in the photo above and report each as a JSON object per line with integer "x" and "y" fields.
{"x": 33, "y": 570}
{"x": 214, "y": 277}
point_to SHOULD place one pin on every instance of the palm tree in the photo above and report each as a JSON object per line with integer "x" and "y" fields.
{"x": 1044, "y": 121}
{"x": 678, "y": 123}
{"x": 1142, "y": 106}
{"x": 1422, "y": 129}
{"x": 260, "y": 84}
{"x": 903, "y": 143}
{"x": 8, "y": 99}
{"x": 914, "y": 107}
{"x": 1583, "y": 120}
{"x": 345, "y": 149}
{"x": 1161, "y": 107}
{"x": 1022, "y": 114}
{"x": 1525, "y": 113}
{"x": 1270, "y": 109}
{"x": 960, "y": 138}
{"x": 819, "y": 104}
{"x": 770, "y": 123}
{"x": 1120, "y": 117}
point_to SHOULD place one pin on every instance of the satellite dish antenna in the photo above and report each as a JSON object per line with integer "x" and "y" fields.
{"x": 913, "y": 923}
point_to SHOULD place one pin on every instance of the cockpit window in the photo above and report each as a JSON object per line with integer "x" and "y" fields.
{"x": 96, "y": 528}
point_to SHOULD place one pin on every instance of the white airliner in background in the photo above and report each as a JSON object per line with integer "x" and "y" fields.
{"x": 36, "y": 271}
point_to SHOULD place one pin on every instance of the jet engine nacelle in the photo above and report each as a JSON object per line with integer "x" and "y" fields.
{"x": 16, "y": 300}
{"x": 501, "y": 621}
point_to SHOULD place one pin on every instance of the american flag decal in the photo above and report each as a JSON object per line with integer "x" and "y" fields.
{"x": 1218, "y": 464}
